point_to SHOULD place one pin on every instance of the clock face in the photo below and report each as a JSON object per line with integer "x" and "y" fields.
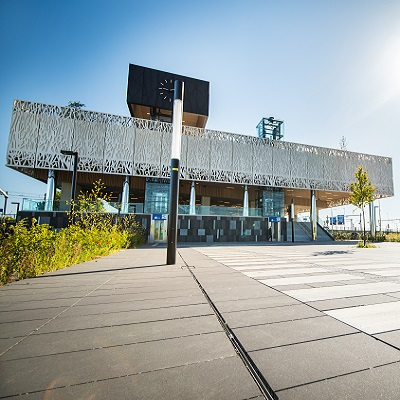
{"x": 166, "y": 90}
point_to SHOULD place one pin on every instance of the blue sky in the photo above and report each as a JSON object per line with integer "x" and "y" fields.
{"x": 328, "y": 68}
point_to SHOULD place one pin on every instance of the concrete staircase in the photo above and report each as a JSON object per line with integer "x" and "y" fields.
{"x": 302, "y": 233}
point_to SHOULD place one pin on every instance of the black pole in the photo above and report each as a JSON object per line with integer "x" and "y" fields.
{"x": 292, "y": 219}
{"x": 74, "y": 173}
{"x": 174, "y": 181}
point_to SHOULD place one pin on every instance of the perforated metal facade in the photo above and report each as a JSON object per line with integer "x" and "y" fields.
{"x": 119, "y": 145}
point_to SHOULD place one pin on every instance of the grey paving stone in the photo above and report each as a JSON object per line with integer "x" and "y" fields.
{"x": 222, "y": 379}
{"x": 284, "y": 272}
{"x": 269, "y": 315}
{"x": 325, "y": 284}
{"x": 7, "y": 343}
{"x": 125, "y": 317}
{"x": 284, "y": 333}
{"x": 16, "y": 329}
{"x": 135, "y": 295}
{"x": 86, "y": 339}
{"x": 303, "y": 363}
{"x": 374, "y": 318}
{"x": 80, "y": 367}
{"x": 241, "y": 292}
{"x": 336, "y": 292}
{"x": 255, "y": 303}
{"x": 39, "y": 304}
{"x": 29, "y": 315}
{"x": 283, "y": 288}
{"x": 306, "y": 279}
{"x": 392, "y": 337}
{"x": 44, "y": 296}
{"x": 103, "y": 308}
{"x": 376, "y": 383}
{"x": 333, "y": 304}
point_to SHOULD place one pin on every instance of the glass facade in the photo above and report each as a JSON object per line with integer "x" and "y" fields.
{"x": 156, "y": 198}
{"x": 272, "y": 202}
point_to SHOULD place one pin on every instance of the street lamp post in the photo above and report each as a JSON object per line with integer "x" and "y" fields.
{"x": 74, "y": 172}
{"x": 174, "y": 180}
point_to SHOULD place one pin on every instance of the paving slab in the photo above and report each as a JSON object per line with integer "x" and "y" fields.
{"x": 237, "y": 319}
{"x": 374, "y": 318}
{"x": 291, "y": 332}
{"x": 39, "y": 344}
{"x": 306, "y": 279}
{"x": 87, "y": 307}
{"x": 23, "y": 328}
{"x": 336, "y": 292}
{"x": 283, "y": 272}
{"x": 81, "y": 367}
{"x": 376, "y": 383}
{"x": 331, "y": 304}
{"x": 136, "y": 328}
{"x": 299, "y": 364}
{"x": 199, "y": 381}
{"x": 125, "y": 317}
{"x": 255, "y": 303}
{"x": 392, "y": 337}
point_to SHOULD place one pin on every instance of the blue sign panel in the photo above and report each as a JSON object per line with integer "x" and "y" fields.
{"x": 274, "y": 219}
{"x": 340, "y": 219}
{"x": 332, "y": 221}
{"x": 156, "y": 217}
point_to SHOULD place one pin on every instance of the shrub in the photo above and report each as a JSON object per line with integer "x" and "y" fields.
{"x": 30, "y": 251}
{"x": 365, "y": 245}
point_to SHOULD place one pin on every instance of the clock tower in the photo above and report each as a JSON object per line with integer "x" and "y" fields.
{"x": 151, "y": 92}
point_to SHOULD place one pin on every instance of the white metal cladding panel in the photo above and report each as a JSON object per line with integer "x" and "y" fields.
{"x": 221, "y": 153}
{"x": 334, "y": 169}
{"x": 262, "y": 162}
{"x": 119, "y": 146}
{"x": 89, "y": 138}
{"x": 198, "y": 158}
{"x": 124, "y": 145}
{"x": 56, "y": 134}
{"x": 147, "y": 153}
{"x": 166, "y": 144}
{"x": 183, "y": 162}
{"x": 281, "y": 162}
{"x": 242, "y": 159}
{"x": 22, "y": 141}
{"x": 299, "y": 163}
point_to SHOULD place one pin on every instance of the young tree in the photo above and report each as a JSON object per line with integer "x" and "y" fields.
{"x": 343, "y": 143}
{"x": 76, "y": 104}
{"x": 362, "y": 193}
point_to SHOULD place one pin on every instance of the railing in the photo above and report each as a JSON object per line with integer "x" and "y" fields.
{"x": 138, "y": 208}
{"x": 323, "y": 225}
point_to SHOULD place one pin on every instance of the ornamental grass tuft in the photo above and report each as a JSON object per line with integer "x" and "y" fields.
{"x": 27, "y": 251}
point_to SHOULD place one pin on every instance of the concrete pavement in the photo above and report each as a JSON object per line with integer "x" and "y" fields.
{"x": 316, "y": 322}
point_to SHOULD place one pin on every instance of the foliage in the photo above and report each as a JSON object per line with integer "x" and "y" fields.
{"x": 343, "y": 143}
{"x": 76, "y": 104}
{"x": 362, "y": 193}
{"x": 392, "y": 237}
{"x": 30, "y": 251}
{"x": 351, "y": 235}
{"x": 365, "y": 245}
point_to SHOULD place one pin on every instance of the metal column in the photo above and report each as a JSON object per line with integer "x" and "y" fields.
{"x": 313, "y": 216}
{"x": 50, "y": 190}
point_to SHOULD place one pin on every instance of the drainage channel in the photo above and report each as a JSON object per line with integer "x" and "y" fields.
{"x": 255, "y": 373}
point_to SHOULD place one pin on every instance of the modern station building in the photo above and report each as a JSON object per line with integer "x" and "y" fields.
{"x": 232, "y": 187}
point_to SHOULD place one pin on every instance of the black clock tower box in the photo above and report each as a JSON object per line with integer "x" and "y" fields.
{"x": 146, "y": 91}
